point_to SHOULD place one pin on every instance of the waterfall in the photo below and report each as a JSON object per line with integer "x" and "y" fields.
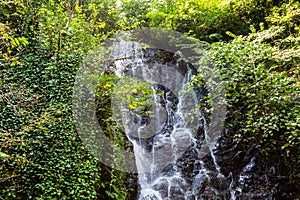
{"x": 170, "y": 143}
{"x": 178, "y": 149}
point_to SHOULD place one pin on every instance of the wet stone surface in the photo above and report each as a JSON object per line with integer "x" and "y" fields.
{"x": 244, "y": 172}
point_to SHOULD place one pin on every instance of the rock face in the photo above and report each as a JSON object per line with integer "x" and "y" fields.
{"x": 254, "y": 176}
{"x": 231, "y": 171}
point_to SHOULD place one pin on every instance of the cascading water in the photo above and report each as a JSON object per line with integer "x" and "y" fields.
{"x": 169, "y": 144}
{"x": 179, "y": 151}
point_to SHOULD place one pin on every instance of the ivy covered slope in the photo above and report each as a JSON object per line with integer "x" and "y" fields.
{"x": 42, "y": 44}
{"x": 41, "y": 155}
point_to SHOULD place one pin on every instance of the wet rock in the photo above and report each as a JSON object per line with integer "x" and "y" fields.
{"x": 243, "y": 172}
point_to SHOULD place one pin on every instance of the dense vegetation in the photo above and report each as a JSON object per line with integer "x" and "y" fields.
{"x": 255, "y": 44}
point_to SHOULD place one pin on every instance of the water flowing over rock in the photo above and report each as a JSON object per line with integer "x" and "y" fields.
{"x": 173, "y": 158}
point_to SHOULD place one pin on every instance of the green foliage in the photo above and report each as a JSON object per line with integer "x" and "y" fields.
{"x": 68, "y": 27}
{"x": 37, "y": 128}
{"x": 133, "y": 13}
{"x": 284, "y": 36}
{"x": 115, "y": 188}
{"x": 42, "y": 44}
{"x": 261, "y": 72}
{"x": 12, "y": 13}
{"x": 42, "y": 156}
{"x": 135, "y": 95}
{"x": 206, "y": 20}
{"x": 11, "y": 44}
{"x": 110, "y": 91}
{"x": 262, "y": 101}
